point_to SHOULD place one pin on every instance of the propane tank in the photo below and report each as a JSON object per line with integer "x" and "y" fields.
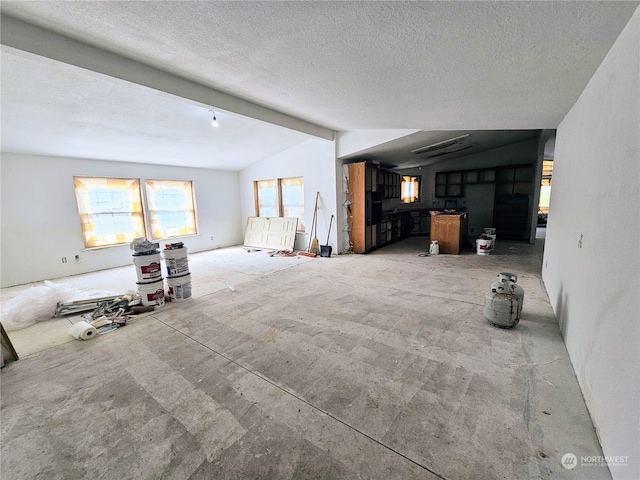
{"x": 507, "y": 277}
{"x": 434, "y": 248}
{"x": 502, "y": 306}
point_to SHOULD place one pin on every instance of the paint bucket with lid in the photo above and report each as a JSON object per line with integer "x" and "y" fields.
{"x": 148, "y": 266}
{"x": 179, "y": 287}
{"x": 152, "y": 293}
{"x": 176, "y": 261}
{"x": 483, "y": 245}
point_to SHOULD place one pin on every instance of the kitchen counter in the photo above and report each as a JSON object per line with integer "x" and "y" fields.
{"x": 456, "y": 212}
{"x": 450, "y": 229}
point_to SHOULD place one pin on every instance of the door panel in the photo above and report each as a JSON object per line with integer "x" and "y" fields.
{"x": 277, "y": 233}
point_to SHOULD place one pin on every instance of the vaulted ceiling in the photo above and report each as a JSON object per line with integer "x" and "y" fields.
{"x": 278, "y": 73}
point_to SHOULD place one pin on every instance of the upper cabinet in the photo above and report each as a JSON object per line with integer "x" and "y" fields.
{"x": 390, "y": 183}
{"x": 515, "y": 180}
{"x": 450, "y": 184}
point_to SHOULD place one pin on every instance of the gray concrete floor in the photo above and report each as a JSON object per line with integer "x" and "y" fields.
{"x": 376, "y": 366}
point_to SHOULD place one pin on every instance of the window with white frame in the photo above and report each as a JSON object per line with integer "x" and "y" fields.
{"x": 171, "y": 208}
{"x": 266, "y": 198}
{"x": 282, "y": 197}
{"x": 110, "y": 210}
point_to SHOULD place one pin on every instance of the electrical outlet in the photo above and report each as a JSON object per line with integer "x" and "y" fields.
{"x": 212, "y": 237}
{"x": 78, "y": 258}
{"x": 64, "y": 259}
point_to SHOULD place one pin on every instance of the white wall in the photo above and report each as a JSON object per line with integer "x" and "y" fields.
{"x": 315, "y": 161}
{"x": 40, "y": 222}
{"x": 591, "y": 265}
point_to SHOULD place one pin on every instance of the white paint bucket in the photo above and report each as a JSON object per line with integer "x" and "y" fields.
{"x": 483, "y": 246}
{"x": 148, "y": 267}
{"x": 152, "y": 293}
{"x": 179, "y": 287}
{"x": 493, "y": 240}
{"x": 176, "y": 261}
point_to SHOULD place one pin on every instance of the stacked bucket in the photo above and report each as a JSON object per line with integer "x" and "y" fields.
{"x": 486, "y": 242}
{"x": 146, "y": 258}
{"x": 178, "y": 276}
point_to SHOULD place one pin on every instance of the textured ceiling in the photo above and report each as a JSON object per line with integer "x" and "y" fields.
{"x": 362, "y": 65}
{"x": 50, "y": 108}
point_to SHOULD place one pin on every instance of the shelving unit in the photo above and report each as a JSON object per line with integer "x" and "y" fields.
{"x": 514, "y": 187}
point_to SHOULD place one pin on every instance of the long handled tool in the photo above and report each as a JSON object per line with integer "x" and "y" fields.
{"x": 311, "y": 230}
{"x": 325, "y": 250}
{"x": 315, "y": 244}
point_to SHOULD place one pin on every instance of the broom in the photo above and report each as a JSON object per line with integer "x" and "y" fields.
{"x": 315, "y": 244}
{"x": 308, "y": 253}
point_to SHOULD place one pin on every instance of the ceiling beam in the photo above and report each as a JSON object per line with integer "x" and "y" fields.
{"x": 46, "y": 43}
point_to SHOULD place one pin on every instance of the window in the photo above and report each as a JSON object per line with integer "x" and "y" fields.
{"x": 545, "y": 186}
{"x": 547, "y": 172}
{"x": 266, "y": 198}
{"x": 283, "y": 197}
{"x": 171, "y": 208}
{"x": 410, "y": 189}
{"x": 292, "y": 199}
{"x": 110, "y": 210}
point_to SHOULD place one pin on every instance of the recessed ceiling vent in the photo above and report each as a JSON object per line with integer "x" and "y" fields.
{"x": 441, "y": 145}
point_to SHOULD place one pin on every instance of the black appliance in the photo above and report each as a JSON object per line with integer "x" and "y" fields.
{"x": 450, "y": 205}
{"x": 374, "y": 208}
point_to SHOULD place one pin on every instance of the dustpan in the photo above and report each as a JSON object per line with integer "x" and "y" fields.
{"x": 325, "y": 250}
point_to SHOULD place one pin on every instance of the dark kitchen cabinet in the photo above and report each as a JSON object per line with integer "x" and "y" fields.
{"x": 449, "y": 184}
{"x": 420, "y": 222}
{"x": 514, "y": 190}
{"x": 390, "y": 183}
